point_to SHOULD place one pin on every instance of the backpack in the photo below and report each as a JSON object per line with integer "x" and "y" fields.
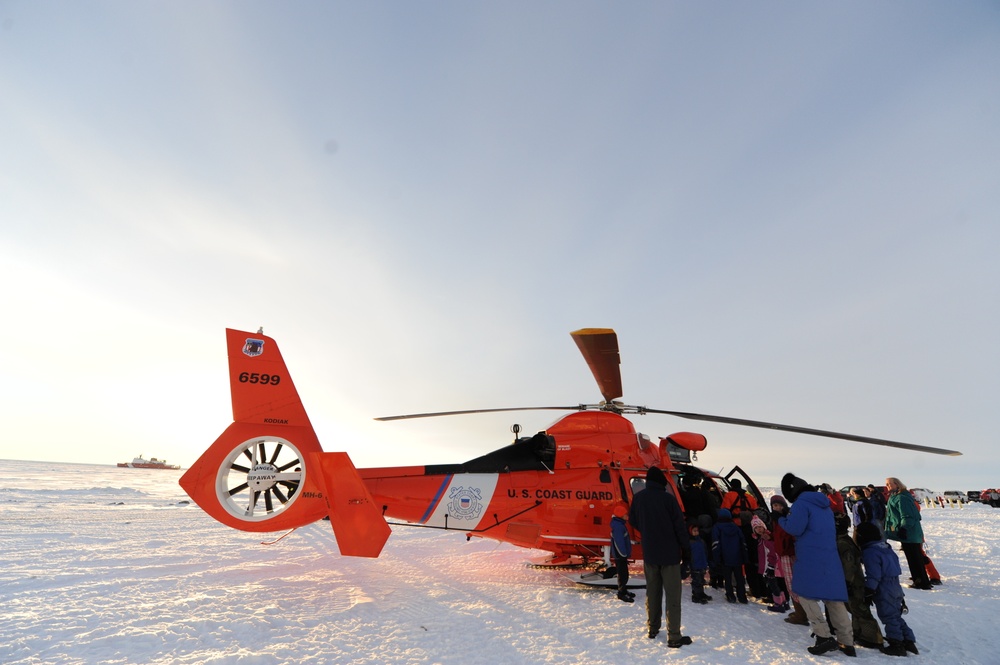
{"x": 877, "y": 509}
{"x": 741, "y": 504}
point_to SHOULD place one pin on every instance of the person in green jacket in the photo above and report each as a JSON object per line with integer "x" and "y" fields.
{"x": 902, "y": 523}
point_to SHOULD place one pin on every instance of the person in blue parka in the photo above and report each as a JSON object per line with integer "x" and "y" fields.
{"x": 621, "y": 550}
{"x": 882, "y": 571}
{"x": 729, "y": 551}
{"x": 817, "y": 574}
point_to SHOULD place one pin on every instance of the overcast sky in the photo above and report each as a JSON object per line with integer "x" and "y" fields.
{"x": 788, "y": 211}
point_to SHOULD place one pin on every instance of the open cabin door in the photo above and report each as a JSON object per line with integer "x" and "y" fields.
{"x": 748, "y": 484}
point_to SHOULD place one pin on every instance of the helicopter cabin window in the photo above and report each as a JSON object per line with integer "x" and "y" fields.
{"x": 534, "y": 453}
{"x": 638, "y": 484}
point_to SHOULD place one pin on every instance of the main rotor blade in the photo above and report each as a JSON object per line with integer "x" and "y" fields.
{"x": 578, "y": 407}
{"x": 807, "y": 430}
{"x": 599, "y": 347}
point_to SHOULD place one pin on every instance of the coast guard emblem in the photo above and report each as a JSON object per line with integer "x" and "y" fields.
{"x": 466, "y": 503}
{"x": 253, "y": 347}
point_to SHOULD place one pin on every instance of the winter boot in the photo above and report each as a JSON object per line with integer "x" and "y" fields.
{"x": 823, "y": 645}
{"x": 910, "y": 646}
{"x": 894, "y": 648}
{"x": 798, "y": 616}
{"x": 868, "y": 644}
{"x": 848, "y": 650}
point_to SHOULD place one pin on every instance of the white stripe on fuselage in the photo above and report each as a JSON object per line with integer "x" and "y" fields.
{"x": 464, "y": 501}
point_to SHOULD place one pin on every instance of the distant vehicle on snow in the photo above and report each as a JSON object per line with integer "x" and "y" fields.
{"x": 923, "y": 494}
{"x": 990, "y": 497}
{"x": 846, "y": 489}
{"x": 955, "y": 496}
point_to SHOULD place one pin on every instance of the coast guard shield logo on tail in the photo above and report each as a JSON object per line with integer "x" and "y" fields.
{"x": 466, "y": 503}
{"x": 253, "y": 347}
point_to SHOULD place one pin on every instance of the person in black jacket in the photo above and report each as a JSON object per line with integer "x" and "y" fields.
{"x": 657, "y": 516}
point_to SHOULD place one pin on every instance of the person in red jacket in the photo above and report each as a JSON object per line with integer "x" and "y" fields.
{"x": 836, "y": 498}
{"x": 784, "y": 544}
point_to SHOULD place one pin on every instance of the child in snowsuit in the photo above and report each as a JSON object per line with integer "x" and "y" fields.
{"x": 866, "y": 630}
{"x": 729, "y": 551}
{"x": 699, "y": 566}
{"x": 767, "y": 564}
{"x": 621, "y": 550}
{"x": 882, "y": 587}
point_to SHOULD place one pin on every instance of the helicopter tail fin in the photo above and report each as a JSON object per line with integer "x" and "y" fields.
{"x": 267, "y": 471}
{"x": 357, "y": 522}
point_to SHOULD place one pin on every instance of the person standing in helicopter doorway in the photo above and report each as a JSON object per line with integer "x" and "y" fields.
{"x": 657, "y": 517}
{"x": 621, "y": 550}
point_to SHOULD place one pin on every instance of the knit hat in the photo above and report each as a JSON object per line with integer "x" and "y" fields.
{"x": 842, "y": 522}
{"x": 866, "y": 533}
{"x": 757, "y": 522}
{"x": 792, "y": 486}
{"x": 780, "y": 500}
{"x": 620, "y": 510}
{"x": 655, "y": 475}
{"x": 725, "y": 515}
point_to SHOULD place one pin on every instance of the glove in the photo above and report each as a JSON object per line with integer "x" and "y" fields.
{"x": 869, "y": 596}
{"x": 901, "y": 532}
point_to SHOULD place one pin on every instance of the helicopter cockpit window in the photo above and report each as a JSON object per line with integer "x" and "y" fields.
{"x": 716, "y": 486}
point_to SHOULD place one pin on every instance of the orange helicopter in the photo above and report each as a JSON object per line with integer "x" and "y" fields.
{"x": 554, "y": 491}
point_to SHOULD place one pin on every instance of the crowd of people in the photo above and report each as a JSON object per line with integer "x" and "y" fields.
{"x": 819, "y": 557}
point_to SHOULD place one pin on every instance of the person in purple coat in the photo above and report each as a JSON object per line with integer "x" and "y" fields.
{"x": 818, "y": 574}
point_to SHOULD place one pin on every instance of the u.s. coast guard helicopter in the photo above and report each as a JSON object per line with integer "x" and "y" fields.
{"x": 552, "y": 491}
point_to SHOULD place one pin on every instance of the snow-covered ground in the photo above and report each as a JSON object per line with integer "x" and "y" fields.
{"x": 107, "y": 565}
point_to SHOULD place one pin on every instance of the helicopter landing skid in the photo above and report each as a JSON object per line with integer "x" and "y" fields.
{"x": 553, "y": 562}
{"x": 598, "y": 578}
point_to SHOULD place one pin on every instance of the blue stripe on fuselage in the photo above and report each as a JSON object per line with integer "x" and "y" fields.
{"x": 437, "y": 498}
